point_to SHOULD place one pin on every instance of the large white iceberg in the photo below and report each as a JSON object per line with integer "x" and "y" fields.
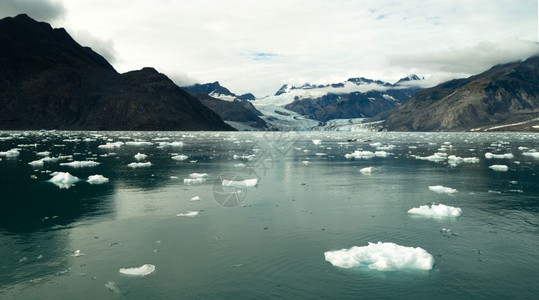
{"x": 140, "y": 271}
{"x": 442, "y": 189}
{"x": 436, "y": 211}
{"x": 382, "y": 257}
{"x": 140, "y": 165}
{"x": 97, "y": 179}
{"x": 63, "y": 180}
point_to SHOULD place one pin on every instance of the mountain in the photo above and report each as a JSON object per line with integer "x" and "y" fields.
{"x": 236, "y": 110}
{"x": 506, "y": 97}
{"x": 354, "y": 98}
{"x": 47, "y": 80}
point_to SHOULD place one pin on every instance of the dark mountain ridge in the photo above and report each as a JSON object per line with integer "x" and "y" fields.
{"x": 47, "y": 80}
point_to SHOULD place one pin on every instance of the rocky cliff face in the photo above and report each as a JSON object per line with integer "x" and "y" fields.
{"x": 47, "y": 80}
{"x": 505, "y": 94}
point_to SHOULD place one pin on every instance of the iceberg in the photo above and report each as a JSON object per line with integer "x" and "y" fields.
{"x": 240, "y": 184}
{"x": 195, "y": 198}
{"x": 140, "y": 271}
{"x": 81, "y": 164}
{"x": 63, "y": 180}
{"x": 111, "y": 145}
{"x": 436, "y": 157}
{"x": 317, "y": 142}
{"x": 436, "y": 211}
{"x": 382, "y": 257}
{"x": 367, "y": 171}
{"x": 139, "y": 165}
{"x": 188, "y": 214}
{"x": 10, "y": 153}
{"x": 139, "y": 143}
{"x": 442, "y": 189}
{"x": 194, "y": 180}
{"x": 180, "y": 157}
{"x": 97, "y": 179}
{"x": 140, "y": 156}
{"x": 360, "y": 155}
{"x": 169, "y": 144}
{"x": 43, "y": 153}
{"x": 534, "y": 154}
{"x": 500, "y": 168}
{"x": 198, "y": 175}
{"x": 489, "y": 155}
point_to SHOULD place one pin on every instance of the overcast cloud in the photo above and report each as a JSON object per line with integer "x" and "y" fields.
{"x": 256, "y": 46}
{"x": 43, "y": 10}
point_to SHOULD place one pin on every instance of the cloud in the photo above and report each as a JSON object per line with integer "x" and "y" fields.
{"x": 42, "y": 10}
{"x": 105, "y": 47}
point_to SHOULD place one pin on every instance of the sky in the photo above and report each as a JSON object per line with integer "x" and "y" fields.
{"x": 258, "y": 45}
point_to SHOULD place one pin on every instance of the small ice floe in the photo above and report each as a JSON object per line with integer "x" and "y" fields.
{"x": 97, "y": 179}
{"x": 198, "y": 175}
{"x": 385, "y": 147}
{"x": 81, "y": 164}
{"x": 10, "y": 153}
{"x": 180, "y": 157}
{"x": 534, "y": 154}
{"x": 188, "y": 214}
{"x": 360, "y": 155}
{"x": 43, "y": 153}
{"x": 194, "y": 180}
{"x": 382, "y": 257}
{"x": 240, "y": 165}
{"x": 317, "y": 142}
{"x": 442, "y": 189}
{"x": 140, "y": 271}
{"x": 77, "y": 253}
{"x": 455, "y": 160}
{"x": 139, "y": 143}
{"x": 244, "y": 156}
{"x": 499, "y": 168}
{"x": 381, "y": 154}
{"x": 171, "y": 144}
{"x": 111, "y": 286}
{"x": 305, "y": 162}
{"x": 195, "y": 198}
{"x": 140, "y": 156}
{"x": 111, "y": 145}
{"x": 436, "y": 211}
{"x": 140, "y": 165}
{"x": 63, "y": 180}
{"x": 377, "y": 144}
{"x": 489, "y": 155}
{"x": 240, "y": 183}
{"x": 436, "y": 157}
{"x": 37, "y": 163}
{"x": 320, "y": 154}
{"x": 367, "y": 170}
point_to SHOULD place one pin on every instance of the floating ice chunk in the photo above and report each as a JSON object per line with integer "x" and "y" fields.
{"x": 377, "y": 144}
{"x": 436, "y": 211}
{"x": 198, "y": 175}
{"x": 534, "y": 154}
{"x": 381, "y": 154}
{"x": 81, "y": 164}
{"x": 37, "y": 163}
{"x": 139, "y": 143}
{"x": 194, "y": 180}
{"x": 63, "y": 180}
{"x": 305, "y": 162}
{"x": 10, "y": 153}
{"x": 180, "y": 157}
{"x": 77, "y": 253}
{"x": 247, "y": 157}
{"x": 188, "y": 214}
{"x": 169, "y": 144}
{"x": 195, "y": 198}
{"x": 240, "y": 184}
{"x": 500, "y": 168}
{"x": 367, "y": 171}
{"x": 317, "y": 142}
{"x": 382, "y": 257}
{"x": 97, "y": 179}
{"x": 240, "y": 166}
{"x": 385, "y": 147}
{"x": 140, "y": 271}
{"x": 140, "y": 156}
{"x": 140, "y": 165}
{"x": 442, "y": 189}
{"x": 111, "y": 145}
{"x": 489, "y": 155}
{"x": 436, "y": 157}
{"x": 360, "y": 155}
{"x": 455, "y": 160}
{"x": 43, "y": 153}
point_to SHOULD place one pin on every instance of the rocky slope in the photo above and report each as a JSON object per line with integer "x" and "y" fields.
{"x": 506, "y": 94}
{"x": 47, "y": 80}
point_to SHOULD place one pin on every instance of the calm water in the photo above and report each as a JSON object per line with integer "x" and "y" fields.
{"x": 310, "y": 199}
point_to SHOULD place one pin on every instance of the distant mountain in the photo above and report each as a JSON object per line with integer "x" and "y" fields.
{"x": 229, "y": 106}
{"x": 47, "y": 80}
{"x": 355, "y": 98}
{"x": 506, "y": 97}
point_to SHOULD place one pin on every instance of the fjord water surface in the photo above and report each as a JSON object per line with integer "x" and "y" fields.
{"x": 266, "y": 241}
